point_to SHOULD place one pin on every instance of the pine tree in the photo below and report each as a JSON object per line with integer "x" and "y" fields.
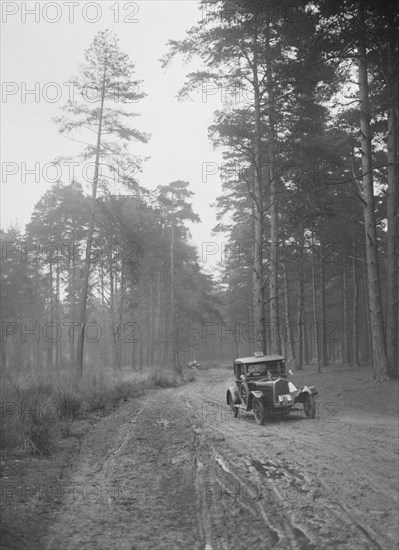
{"x": 105, "y": 80}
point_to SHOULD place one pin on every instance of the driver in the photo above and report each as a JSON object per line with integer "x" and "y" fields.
{"x": 267, "y": 373}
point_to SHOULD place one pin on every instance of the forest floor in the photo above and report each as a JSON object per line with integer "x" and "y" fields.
{"x": 174, "y": 470}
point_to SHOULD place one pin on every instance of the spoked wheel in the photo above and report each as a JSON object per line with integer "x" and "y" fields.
{"x": 233, "y": 409}
{"x": 244, "y": 391}
{"x": 309, "y": 406}
{"x": 259, "y": 411}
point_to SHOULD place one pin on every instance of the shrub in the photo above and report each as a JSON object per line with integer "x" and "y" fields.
{"x": 39, "y": 435}
{"x": 162, "y": 379}
{"x": 69, "y": 405}
{"x": 27, "y": 421}
{"x": 189, "y": 375}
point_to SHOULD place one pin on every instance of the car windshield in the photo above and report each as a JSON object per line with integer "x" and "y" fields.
{"x": 274, "y": 367}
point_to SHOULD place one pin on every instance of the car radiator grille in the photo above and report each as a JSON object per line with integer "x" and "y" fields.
{"x": 281, "y": 388}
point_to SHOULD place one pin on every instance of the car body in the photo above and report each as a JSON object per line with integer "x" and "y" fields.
{"x": 261, "y": 386}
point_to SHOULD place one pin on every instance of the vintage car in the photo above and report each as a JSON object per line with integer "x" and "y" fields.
{"x": 261, "y": 386}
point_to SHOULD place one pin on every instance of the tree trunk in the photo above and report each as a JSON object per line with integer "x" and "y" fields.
{"x": 300, "y": 306}
{"x": 150, "y": 325}
{"x": 251, "y": 323}
{"x": 141, "y": 359}
{"x": 117, "y": 328}
{"x": 392, "y": 334}
{"x": 177, "y": 368}
{"x": 165, "y": 321}
{"x": 3, "y": 353}
{"x": 355, "y": 315}
{"x": 49, "y": 344}
{"x": 377, "y": 326}
{"x": 345, "y": 310}
{"x": 305, "y": 338}
{"x": 323, "y": 325}
{"x": 86, "y": 274}
{"x": 300, "y": 319}
{"x": 58, "y": 344}
{"x": 258, "y": 212}
{"x": 274, "y": 307}
{"x": 120, "y": 320}
{"x": 315, "y": 315}
{"x": 290, "y": 344}
{"x": 71, "y": 299}
{"x": 106, "y": 359}
{"x": 133, "y": 356}
{"x": 368, "y": 317}
{"x": 172, "y": 298}
{"x": 158, "y": 320}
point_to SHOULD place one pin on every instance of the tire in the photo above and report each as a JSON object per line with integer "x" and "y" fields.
{"x": 259, "y": 411}
{"x": 233, "y": 409}
{"x": 244, "y": 393}
{"x": 309, "y": 406}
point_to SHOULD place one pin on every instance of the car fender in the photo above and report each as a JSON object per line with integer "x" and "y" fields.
{"x": 232, "y": 394}
{"x": 257, "y": 394}
{"x": 303, "y": 392}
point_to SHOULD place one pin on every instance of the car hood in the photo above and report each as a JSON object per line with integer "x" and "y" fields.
{"x": 264, "y": 383}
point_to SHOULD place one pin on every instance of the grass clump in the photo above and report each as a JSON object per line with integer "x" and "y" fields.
{"x": 189, "y": 375}
{"x": 68, "y": 405}
{"x": 162, "y": 379}
{"x": 39, "y": 435}
{"x": 28, "y": 418}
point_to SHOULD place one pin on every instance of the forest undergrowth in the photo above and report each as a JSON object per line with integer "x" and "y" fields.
{"x": 39, "y": 409}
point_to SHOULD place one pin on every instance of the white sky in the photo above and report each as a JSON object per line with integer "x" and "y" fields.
{"x": 34, "y": 50}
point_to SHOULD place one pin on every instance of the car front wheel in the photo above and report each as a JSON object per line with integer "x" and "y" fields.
{"x": 233, "y": 409}
{"x": 309, "y": 406}
{"x": 244, "y": 391}
{"x": 259, "y": 411}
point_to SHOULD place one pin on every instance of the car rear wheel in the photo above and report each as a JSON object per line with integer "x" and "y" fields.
{"x": 309, "y": 406}
{"x": 259, "y": 411}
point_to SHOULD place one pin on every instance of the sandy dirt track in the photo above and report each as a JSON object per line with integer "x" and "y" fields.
{"x": 174, "y": 470}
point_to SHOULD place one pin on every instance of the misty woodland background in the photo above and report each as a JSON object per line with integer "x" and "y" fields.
{"x": 108, "y": 280}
